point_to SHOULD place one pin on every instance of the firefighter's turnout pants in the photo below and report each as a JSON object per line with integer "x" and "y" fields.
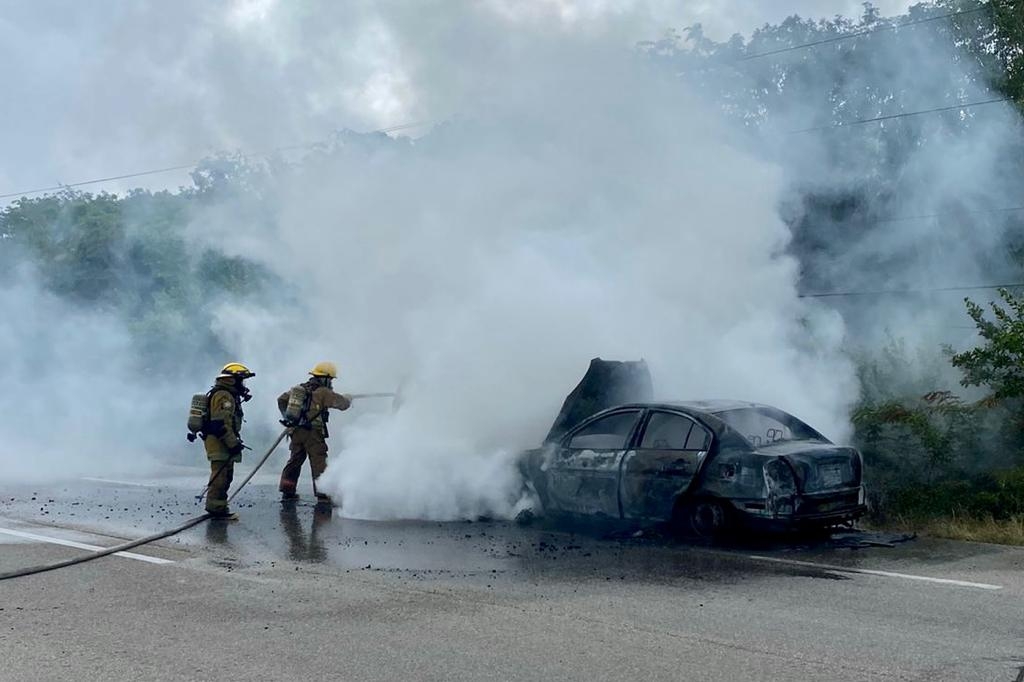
{"x": 304, "y": 442}
{"x": 221, "y": 474}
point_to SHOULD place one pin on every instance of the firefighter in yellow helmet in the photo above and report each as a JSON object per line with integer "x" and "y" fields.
{"x": 309, "y": 434}
{"x": 222, "y": 434}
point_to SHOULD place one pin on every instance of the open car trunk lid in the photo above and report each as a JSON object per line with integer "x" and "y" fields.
{"x": 607, "y": 383}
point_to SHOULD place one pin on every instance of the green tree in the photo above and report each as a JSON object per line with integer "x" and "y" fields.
{"x": 998, "y": 363}
{"x": 1008, "y": 22}
{"x": 917, "y": 441}
{"x": 129, "y": 255}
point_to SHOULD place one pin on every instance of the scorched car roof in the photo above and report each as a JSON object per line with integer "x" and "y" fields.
{"x": 708, "y": 411}
{"x": 705, "y": 406}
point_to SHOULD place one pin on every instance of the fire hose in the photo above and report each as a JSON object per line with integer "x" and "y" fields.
{"x": 141, "y": 541}
{"x": 167, "y": 533}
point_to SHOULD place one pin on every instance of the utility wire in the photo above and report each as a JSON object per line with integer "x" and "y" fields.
{"x": 168, "y": 169}
{"x": 928, "y": 216}
{"x": 405, "y": 126}
{"x": 39, "y": 190}
{"x": 834, "y": 294}
{"x": 955, "y": 107}
{"x": 865, "y": 32}
{"x": 933, "y": 216}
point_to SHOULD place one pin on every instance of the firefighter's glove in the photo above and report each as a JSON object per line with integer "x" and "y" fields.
{"x": 236, "y": 449}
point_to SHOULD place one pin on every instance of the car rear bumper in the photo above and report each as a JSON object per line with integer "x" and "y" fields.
{"x": 808, "y": 510}
{"x": 830, "y": 517}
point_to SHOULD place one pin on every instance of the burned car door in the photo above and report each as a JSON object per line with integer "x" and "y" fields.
{"x": 671, "y": 449}
{"x": 583, "y": 476}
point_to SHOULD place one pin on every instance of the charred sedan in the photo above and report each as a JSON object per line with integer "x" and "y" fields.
{"x": 703, "y": 466}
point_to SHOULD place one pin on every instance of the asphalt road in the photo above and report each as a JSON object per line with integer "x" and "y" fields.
{"x": 288, "y": 592}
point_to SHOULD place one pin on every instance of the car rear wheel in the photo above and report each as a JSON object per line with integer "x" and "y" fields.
{"x": 706, "y": 518}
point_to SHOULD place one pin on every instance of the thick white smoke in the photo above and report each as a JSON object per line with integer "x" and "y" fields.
{"x": 923, "y": 191}
{"x": 73, "y": 405}
{"x": 584, "y": 205}
{"x": 107, "y": 87}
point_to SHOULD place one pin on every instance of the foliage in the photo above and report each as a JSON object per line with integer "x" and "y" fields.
{"x": 998, "y": 496}
{"x": 132, "y": 255}
{"x": 761, "y": 75}
{"x": 1009, "y": 531}
{"x": 916, "y": 442}
{"x": 1008, "y": 20}
{"x": 999, "y": 362}
{"x": 937, "y": 457}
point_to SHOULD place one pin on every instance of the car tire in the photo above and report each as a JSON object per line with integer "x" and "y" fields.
{"x": 706, "y": 518}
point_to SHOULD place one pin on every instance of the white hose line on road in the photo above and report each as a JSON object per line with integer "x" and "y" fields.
{"x": 82, "y": 545}
{"x": 869, "y": 571}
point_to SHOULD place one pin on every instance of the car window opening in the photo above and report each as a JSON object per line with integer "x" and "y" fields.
{"x": 607, "y": 433}
{"x": 667, "y": 431}
{"x": 763, "y": 426}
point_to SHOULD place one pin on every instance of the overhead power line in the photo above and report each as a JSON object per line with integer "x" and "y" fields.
{"x": 405, "y": 126}
{"x": 53, "y": 188}
{"x": 877, "y": 119}
{"x": 892, "y": 292}
{"x": 187, "y": 166}
{"x": 930, "y": 216}
{"x": 865, "y": 32}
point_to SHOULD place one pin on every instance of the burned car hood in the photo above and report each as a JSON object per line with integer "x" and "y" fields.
{"x": 607, "y": 383}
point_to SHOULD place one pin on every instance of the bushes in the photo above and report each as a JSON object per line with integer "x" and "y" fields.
{"x": 130, "y": 256}
{"x": 999, "y": 496}
{"x": 938, "y": 457}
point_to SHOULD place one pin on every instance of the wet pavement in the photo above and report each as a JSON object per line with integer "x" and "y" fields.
{"x": 270, "y": 531}
{"x": 291, "y": 587}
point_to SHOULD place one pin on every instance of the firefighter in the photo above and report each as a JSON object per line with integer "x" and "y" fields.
{"x": 222, "y": 433}
{"x": 309, "y": 434}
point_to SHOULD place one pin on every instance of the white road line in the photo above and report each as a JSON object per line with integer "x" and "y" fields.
{"x": 81, "y": 545}
{"x": 133, "y": 484}
{"x": 868, "y": 571}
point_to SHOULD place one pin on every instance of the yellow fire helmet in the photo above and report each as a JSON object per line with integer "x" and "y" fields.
{"x": 235, "y": 369}
{"x": 325, "y": 369}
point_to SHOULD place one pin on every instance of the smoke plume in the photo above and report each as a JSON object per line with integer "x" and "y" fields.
{"x": 583, "y": 204}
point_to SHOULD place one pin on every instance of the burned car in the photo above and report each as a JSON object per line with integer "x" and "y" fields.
{"x": 702, "y": 466}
